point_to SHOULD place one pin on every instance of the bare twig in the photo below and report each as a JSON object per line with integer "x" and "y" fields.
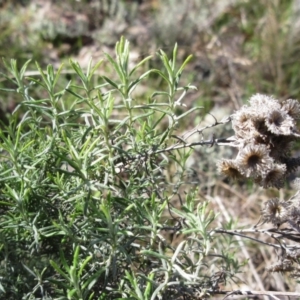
{"x": 198, "y": 129}
{"x": 211, "y": 142}
{"x": 237, "y": 233}
{"x": 272, "y": 294}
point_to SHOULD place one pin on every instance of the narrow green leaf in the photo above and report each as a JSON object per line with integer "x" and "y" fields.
{"x": 76, "y": 67}
{"x": 116, "y": 66}
{"x": 7, "y": 90}
{"x": 75, "y": 256}
{"x": 58, "y": 270}
{"x": 23, "y": 69}
{"x": 83, "y": 265}
{"x": 174, "y": 56}
{"x": 188, "y": 112}
{"x": 183, "y": 65}
{"x": 155, "y": 254}
{"x": 143, "y": 115}
{"x": 161, "y": 74}
{"x": 110, "y": 82}
{"x": 74, "y": 94}
{"x": 166, "y": 63}
{"x": 44, "y": 77}
{"x": 93, "y": 70}
{"x": 140, "y": 64}
{"x": 57, "y": 75}
{"x": 37, "y": 81}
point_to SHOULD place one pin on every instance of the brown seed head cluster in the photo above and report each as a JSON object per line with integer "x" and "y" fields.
{"x": 278, "y": 212}
{"x": 264, "y": 131}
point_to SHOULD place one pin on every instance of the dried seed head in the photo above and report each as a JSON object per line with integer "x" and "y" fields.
{"x": 294, "y": 201}
{"x": 294, "y": 218}
{"x": 262, "y": 103}
{"x": 280, "y": 123}
{"x": 264, "y": 132}
{"x": 275, "y": 211}
{"x": 261, "y": 139}
{"x": 229, "y": 168}
{"x": 254, "y": 160}
{"x": 292, "y": 163}
{"x": 292, "y": 107}
{"x": 296, "y": 184}
{"x": 260, "y": 126}
{"x": 280, "y": 146}
{"x": 274, "y": 177}
{"x": 242, "y": 123}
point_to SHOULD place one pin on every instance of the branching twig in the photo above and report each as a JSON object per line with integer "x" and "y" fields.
{"x": 236, "y": 233}
{"x": 211, "y": 142}
{"x": 200, "y": 130}
{"x": 272, "y": 294}
{"x": 272, "y": 232}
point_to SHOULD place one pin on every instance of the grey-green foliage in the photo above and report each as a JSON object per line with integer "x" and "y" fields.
{"x": 84, "y": 201}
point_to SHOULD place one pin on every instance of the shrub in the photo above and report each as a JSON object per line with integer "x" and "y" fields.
{"x": 84, "y": 193}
